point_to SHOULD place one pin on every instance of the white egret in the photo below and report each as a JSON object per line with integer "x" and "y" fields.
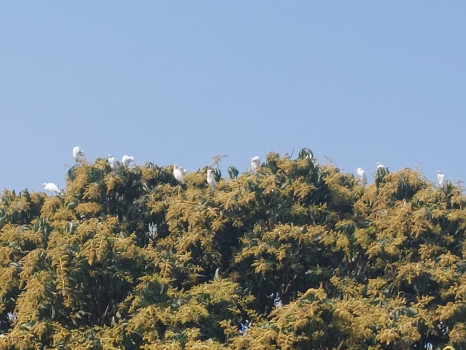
{"x": 178, "y": 174}
{"x": 255, "y": 163}
{"x": 126, "y": 160}
{"x": 51, "y": 187}
{"x": 217, "y": 274}
{"x": 211, "y": 180}
{"x": 440, "y": 178}
{"x": 362, "y": 179}
{"x": 78, "y": 154}
{"x": 112, "y": 162}
{"x": 380, "y": 165}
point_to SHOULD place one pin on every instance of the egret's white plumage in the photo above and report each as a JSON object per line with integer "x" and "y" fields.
{"x": 362, "y": 179}
{"x": 51, "y": 187}
{"x": 178, "y": 174}
{"x": 112, "y": 162}
{"x": 211, "y": 180}
{"x": 360, "y": 172}
{"x": 217, "y": 274}
{"x": 380, "y": 165}
{"x": 255, "y": 163}
{"x": 78, "y": 154}
{"x": 440, "y": 178}
{"x": 126, "y": 160}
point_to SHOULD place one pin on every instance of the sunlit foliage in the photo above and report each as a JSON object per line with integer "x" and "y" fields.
{"x": 296, "y": 255}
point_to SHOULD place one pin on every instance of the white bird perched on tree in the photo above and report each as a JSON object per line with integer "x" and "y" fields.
{"x": 126, "y": 160}
{"x": 112, "y": 162}
{"x": 78, "y": 154}
{"x": 178, "y": 174}
{"x": 217, "y": 274}
{"x": 211, "y": 180}
{"x": 51, "y": 187}
{"x": 255, "y": 163}
{"x": 440, "y": 178}
{"x": 362, "y": 179}
{"x": 380, "y": 165}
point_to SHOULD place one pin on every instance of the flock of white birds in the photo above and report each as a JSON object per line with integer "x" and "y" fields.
{"x": 179, "y": 173}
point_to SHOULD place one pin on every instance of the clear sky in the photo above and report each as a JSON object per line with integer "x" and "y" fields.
{"x": 182, "y": 81}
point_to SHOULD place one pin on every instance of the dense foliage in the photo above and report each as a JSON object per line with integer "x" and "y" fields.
{"x": 297, "y": 255}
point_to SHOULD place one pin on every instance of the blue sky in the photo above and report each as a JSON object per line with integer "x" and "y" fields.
{"x": 182, "y": 81}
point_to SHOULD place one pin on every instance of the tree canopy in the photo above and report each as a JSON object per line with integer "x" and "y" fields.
{"x": 296, "y": 255}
